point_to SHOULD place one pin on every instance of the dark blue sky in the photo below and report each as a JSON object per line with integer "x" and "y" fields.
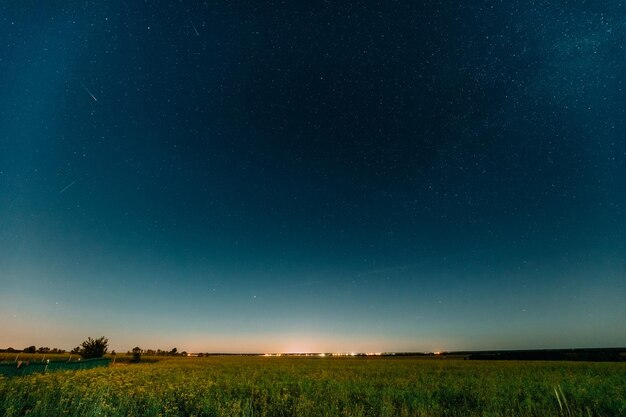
{"x": 313, "y": 175}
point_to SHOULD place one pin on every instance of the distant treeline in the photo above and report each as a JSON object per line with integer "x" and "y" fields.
{"x": 591, "y": 355}
{"x": 158, "y": 352}
{"x": 77, "y": 350}
{"x": 33, "y": 349}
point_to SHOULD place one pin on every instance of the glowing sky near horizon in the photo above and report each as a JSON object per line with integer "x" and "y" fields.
{"x": 313, "y": 177}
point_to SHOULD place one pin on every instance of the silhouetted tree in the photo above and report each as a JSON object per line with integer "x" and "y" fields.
{"x": 173, "y": 352}
{"x": 136, "y": 354}
{"x": 30, "y": 349}
{"x": 76, "y": 350}
{"x": 94, "y": 348}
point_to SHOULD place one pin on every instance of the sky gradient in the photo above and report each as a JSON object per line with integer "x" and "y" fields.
{"x": 313, "y": 176}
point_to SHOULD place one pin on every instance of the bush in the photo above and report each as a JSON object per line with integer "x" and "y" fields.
{"x": 136, "y": 355}
{"x": 94, "y": 348}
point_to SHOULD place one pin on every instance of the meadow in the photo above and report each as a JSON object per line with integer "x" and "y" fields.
{"x": 347, "y": 387}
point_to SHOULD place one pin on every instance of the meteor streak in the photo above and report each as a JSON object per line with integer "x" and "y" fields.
{"x": 72, "y": 183}
{"x": 89, "y": 92}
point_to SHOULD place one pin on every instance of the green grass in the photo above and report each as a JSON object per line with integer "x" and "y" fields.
{"x": 257, "y": 386}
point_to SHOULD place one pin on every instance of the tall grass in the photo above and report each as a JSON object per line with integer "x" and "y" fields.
{"x": 347, "y": 387}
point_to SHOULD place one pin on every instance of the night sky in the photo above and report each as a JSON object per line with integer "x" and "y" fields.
{"x": 313, "y": 175}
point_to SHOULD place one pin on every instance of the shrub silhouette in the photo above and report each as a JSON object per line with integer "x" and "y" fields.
{"x": 94, "y": 348}
{"x": 136, "y": 354}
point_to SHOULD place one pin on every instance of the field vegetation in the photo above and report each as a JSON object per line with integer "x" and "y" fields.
{"x": 347, "y": 387}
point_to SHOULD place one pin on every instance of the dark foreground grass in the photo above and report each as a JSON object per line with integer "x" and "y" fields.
{"x": 257, "y": 386}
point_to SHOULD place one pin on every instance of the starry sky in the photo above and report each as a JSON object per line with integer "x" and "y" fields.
{"x": 313, "y": 175}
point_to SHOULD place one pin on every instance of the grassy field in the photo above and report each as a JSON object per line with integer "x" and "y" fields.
{"x": 258, "y": 386}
